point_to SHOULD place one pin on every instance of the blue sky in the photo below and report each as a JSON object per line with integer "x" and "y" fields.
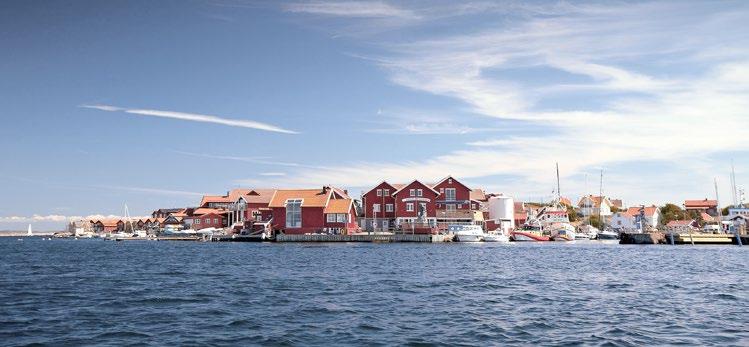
{"x": 155, "y": 103}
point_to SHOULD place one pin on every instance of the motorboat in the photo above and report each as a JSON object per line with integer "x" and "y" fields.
{"x": 562, "y": 232}
{"x": 496, "y": 237}
{"x": 467, "y": 233}
{"x": 608, "y": 234}
{"x": 587, "y": 232}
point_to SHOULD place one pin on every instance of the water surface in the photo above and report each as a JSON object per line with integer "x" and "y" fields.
{"x": 95, "y": 292}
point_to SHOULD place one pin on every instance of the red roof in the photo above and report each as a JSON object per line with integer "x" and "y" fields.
{"x": 634, "y": 211}
{"x": 700, "y": 203}
{"x": 679, "y": 223}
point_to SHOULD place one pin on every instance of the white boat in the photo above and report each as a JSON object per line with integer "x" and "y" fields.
{"x": 586, "y": 232}
{"x": 184, "y": 232}
{"x": 467, "y": 233}
{"x": 562, "y": 232}
{"x": 608, "y": 235}
{"x": 496, "y": 237}
{"x": 29, "y": 233}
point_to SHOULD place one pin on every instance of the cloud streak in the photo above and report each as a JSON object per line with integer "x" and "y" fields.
{"x": 194, "y": 117}
{"x": 360, "y": 9}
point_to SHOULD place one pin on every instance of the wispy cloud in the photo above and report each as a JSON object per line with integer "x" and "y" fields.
{"x": 256, "y": 160}
{"x": 194, "y": 117}
{"x": 662, "y": 87}
{"x": 154, "y": 191}
{"x": 272, "y": 174}
{"x": 362, "y": 9}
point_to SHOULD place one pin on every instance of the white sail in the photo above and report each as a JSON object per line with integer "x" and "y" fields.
{"x": 28, "y": 233}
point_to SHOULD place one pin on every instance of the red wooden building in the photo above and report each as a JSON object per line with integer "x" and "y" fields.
{"x": 301, "y": 211}
{"x": 397, "y": 206}
{"x": 202, "y": 218}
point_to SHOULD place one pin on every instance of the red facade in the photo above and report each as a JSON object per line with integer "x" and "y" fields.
{"x": 462, "y": 194}
{"x": 314, "y": 208}
{"x": 413, "y": 197}
{"x": 380, "y": 202}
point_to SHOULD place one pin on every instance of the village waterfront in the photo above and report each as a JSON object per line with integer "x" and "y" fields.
{"x": 92, "y": 292}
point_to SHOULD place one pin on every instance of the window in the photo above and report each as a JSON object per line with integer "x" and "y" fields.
{"x": 384, "y": 224}
{"x": 449, "y": 181}
{"x": 419, "y": 192}
{"x": 450, "y": 194}
{"x": 331, "y": 217}
{"x": 460, "y": 206}
{"x": 410, "y": 207}
{"x": 442, "y": 190}
{"x": 412, "y": 192}
{"x": 207, "y": 221}
{"x": 215, "y": 220}
{"x": 388, "y": 207}
{"x": 376, "y": 208}
{"x": 450, "y": 207}
{"x": 197, "y": 221}
{"x": 341, "y": 218}
{"x": 379, "y": 192}
{"x": 386, "y": 192}
{"x": 294, "y": 213}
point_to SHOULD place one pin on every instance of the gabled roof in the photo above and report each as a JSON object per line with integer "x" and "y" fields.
{"x": 649, "y": 211}
{"x": 700, "y": 203}
{"x": 477, "y": 194}
{"x": 385, "y": 182}
{"x": 310, "y": 197}
{"x": 595, "y": 199}
{"x": 214, "y": 199}
{"x": 205, "y": 210}
{"x": 339, "y": 206}
{"x": 416, "y": 181}
{"x": 258, "y": 196}
{"x": 454, "y": 180}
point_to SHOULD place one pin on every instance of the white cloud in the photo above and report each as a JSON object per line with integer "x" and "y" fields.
{"x": 662, "y": 93}
{"x": 272, "y": 174}
{"x": 256, "y": 160}
{"x": 195, "y": 117}
{"x": 362, "y": 9}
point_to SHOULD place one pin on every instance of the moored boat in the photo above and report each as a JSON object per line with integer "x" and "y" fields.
{"x": 608, "y": 234}
{"x": 467, "y": 233}
{"x": 528, "y": 236}
{"x": 496, "y": 237}
{"x": 562, "y": 232}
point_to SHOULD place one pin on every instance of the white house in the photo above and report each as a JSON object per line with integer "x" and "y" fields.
{"x": 590, "y": 205}
{"x": 627, "y": 220}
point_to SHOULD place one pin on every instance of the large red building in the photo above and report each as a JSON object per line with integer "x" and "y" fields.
{"x": 419, "y": 205}
{"x": 301, "y": 211}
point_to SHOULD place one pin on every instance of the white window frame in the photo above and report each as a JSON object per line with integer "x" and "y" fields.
{"x": 331, "y": 217}
{"x": 386, "y": 192}
{"x": 449, "y": 181}
{"x": 376, "y": 208}
{"x": 409, "y": 207}
{"x": 419, "y": 192}
{"x": 389, "y": 207}
{"x": 450, "y": 207}
{"x": 341, "y": 218}
{"x": 412, "y": 192}
{"x": 450, "y": 191}
{"x": 196, "y": 221}
{"x": 294, "y": 201}
{"x": 379, "y": 192}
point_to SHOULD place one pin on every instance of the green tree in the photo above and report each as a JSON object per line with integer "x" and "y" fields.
{"x": 670, "y": 212}
{"x": 572, "y": 214}
{"x": 596, "y": 222}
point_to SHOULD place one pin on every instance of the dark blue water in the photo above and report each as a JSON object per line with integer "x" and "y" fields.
{"x": 94, "y": 292}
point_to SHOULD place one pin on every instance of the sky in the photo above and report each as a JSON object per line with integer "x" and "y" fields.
{"x": 152, "y": 104}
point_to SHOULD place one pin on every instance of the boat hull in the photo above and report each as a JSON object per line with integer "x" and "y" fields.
{"x": 496, "y": 238}
{"x": 468, "y": 238}
{"x": 608, "y": 236}
{"x": 520, "y": 236}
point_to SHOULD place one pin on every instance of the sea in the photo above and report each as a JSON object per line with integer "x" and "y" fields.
{"x": 66, "y": 292}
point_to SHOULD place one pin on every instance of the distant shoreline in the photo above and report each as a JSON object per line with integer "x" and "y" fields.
{"x": 23, "y": 233}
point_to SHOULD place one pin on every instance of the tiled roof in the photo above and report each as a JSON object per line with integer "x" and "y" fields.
{"x": 258, "y": 196}
{"x": 649, "y": 211}
{"x": 700, "y": 203}
{"x": 204, "y": 210}
{"x": 213, "y": 198}
{"x": 310, "y": 197}
{"x": 477, "y": 194}
{"x": 338, "y": 206}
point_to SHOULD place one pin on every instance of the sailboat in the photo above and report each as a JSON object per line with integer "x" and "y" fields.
{"x": 561, "y": 229}
{"x": 29, "y": 233}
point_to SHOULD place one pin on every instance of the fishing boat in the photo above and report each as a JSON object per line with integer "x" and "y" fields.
{"x": 467, "y": 233}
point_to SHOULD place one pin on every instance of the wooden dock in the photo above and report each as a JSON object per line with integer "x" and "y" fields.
{"x": 363, "y": 238}
{"x": 702, "y": 239}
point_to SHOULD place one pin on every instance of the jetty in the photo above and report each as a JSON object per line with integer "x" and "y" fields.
{"x": 654, "y": 238}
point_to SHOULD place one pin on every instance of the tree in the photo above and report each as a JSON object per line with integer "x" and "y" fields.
{"x": 671, "y": 212}
{"x": 596, "y": 222}
{"x": 572, "y": 214}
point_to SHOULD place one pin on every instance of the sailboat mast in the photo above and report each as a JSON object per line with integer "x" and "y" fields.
{"x": 733, "y": 185}
{"x": 717, "y": 199}
{"x": 600, "y": 198}
{"x": 559, "y": 193}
